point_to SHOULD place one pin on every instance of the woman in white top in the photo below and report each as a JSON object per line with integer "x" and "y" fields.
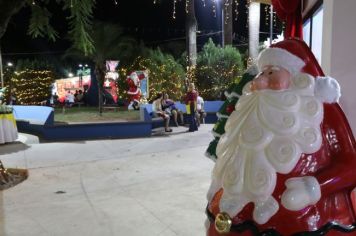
{"x": 158, "y": 111}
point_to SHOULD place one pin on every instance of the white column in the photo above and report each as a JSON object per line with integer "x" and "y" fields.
{"x": 339, "y": 51}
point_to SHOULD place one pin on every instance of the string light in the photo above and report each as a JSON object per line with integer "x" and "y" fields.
{"x": 214, "y": 7}
{"x": 32, "y": 87}
{"x": 174, "y": 9}
{"x": 33, "y": 2}
{"x": 236, "y": 9}
{"x": 247, "y": 10}
{"x": 266, "y": 15}
{"x": 186, "y": 6}
{"x": 204, "y": 3}
{"x": 115, "y": 1}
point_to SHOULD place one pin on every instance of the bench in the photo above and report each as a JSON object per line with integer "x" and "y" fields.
{"x": 210, "y": 107}
{"x": 34, "y": 114}
{"x": 110, "y": 108}
{"x": 146, "y": 114}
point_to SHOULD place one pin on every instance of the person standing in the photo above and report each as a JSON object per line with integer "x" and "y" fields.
{"x": 191, "y": 102}
{"x": 200, "y": 114}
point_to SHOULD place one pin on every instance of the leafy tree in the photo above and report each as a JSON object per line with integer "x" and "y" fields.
{"x": 165, "y": 74}
{"x": 217, "y": 68}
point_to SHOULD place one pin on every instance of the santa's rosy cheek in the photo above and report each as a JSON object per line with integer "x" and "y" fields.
{"x": 278, "y": 83}
{"x": 259, "y": 84}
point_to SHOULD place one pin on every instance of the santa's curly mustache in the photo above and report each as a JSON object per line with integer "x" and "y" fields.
{"x": 265, "y": 135}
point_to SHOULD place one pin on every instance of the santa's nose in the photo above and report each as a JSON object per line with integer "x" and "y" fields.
{"x": 259, "y": 83}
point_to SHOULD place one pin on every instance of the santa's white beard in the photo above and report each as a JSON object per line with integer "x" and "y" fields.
{"x": 266, "y": 134}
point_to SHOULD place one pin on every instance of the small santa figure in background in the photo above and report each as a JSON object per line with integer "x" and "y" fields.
{"x": 134, "y": 91}
{"x": 285, "y": 163}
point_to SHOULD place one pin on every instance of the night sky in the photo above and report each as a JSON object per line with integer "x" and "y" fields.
{"x": 151, "y": 23}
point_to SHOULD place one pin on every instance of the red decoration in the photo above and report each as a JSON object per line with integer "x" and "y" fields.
{"x": 230, "y": 109}
{"x": 290, "y": 11}
{"x": 133, "y": 80}
{"x": 333, "y": 166}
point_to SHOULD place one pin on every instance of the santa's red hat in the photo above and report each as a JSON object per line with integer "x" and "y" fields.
{"x": 279, "y": 55}
{"x": 292, "y": 54}
{"x": 295, "y": 56}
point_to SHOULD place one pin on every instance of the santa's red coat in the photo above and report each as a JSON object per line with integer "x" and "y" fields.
{"x": 334, "y": 166}
{"x": 134, "y": 92}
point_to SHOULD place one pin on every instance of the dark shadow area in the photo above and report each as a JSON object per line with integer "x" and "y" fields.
{"x": 14, "y": 147}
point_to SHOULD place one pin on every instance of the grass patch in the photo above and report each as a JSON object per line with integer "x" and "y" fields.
{"x": 91, "y": 114}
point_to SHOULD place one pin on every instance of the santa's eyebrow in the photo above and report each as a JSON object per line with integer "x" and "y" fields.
{"x": 275, "y": 68}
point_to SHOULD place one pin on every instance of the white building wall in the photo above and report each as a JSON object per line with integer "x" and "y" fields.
{"x": 339, "y": 51}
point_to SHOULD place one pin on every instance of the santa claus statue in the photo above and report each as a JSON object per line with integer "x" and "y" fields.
{"x": 133, "y": 80}
{"x": 286, "y": 163}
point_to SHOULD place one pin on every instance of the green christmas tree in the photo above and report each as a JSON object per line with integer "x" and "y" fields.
{"x": 232, "y": 94}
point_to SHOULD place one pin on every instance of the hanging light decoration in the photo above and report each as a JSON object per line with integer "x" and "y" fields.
{"x": 204, "y": 3}
{"x": 236, "y": 9}
{"x": 248, "y": 15}
{"x": 227, "y": 16}
{"x": 186, "y": 6}
{"x": 214, "y": 7}
{"x": 174, "y": 9}
{"x": 115, "y": 1}
{"x": 267, "y": 15}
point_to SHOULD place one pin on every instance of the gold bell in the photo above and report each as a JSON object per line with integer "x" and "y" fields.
{"x": 223, "y": 223}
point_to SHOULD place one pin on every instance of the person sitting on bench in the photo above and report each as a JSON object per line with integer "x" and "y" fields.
{"x": 169, "y": 107}
{"x": 158, "y": 111}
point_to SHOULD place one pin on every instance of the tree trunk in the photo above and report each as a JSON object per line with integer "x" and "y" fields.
{"x": 228, "y": 23}
{"x": 100, "y": 76}
{"x": 191, "y": 34}
{"x": 254, "y": 29}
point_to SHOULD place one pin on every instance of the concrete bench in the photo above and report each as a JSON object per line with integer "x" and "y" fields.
{"x": 146, "y": 114}
{"x": 34, "y": 114}
{"x": 210, "y": 107}
{"x": 110, "y": 108}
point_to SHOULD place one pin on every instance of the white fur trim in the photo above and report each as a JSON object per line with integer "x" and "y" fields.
{"x": 280, "y": 57}
{"x": 300, "y": 193}
{"x": 216, "y": 135}
{"x": 211, "y": 157}
{"x": 327, "y": 89}
{"x": 221, "y": 116}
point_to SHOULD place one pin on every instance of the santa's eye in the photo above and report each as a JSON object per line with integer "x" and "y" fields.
{"x": 270, "y": 73}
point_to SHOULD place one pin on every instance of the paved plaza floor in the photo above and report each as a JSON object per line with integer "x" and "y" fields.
{"x": 148, "y": 186}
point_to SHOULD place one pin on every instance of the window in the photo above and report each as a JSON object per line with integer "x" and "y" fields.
{"x": 313, "y": 32}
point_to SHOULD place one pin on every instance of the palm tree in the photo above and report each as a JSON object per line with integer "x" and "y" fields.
{"x": 110, "y": 44}
{"x": 254, "y": 29}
